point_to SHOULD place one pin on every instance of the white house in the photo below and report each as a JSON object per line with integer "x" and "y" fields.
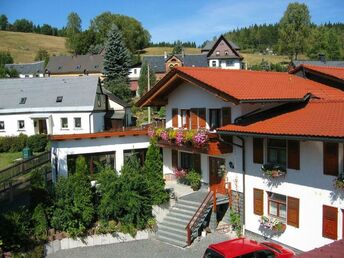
{"x": 109, "y": 148}
{"x": 58, "y": 106}
{"x": 254, "y": 118}
{"x": 28, "y": 70}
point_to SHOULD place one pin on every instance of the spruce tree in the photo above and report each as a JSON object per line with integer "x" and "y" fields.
{"x": 116, "y": 57}
{"x": 143, "y": 80}
{"x": 153, "y": 170}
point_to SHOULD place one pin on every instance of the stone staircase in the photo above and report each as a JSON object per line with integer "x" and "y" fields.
{"x": 172, "y": 229}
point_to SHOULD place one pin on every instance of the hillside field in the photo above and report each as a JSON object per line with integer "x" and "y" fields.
{"x": 24, "y": 46}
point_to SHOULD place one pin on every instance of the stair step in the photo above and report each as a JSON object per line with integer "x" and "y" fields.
{"x": 168, "y": 228}
{"x": 174, "y": 224}
{"x": 189, "y": 203}
{"x": 177, "y": 220}
{"x": 172, "y": 235}
{"x": 172, "y": 241}
{"x": 183, "y": 210}
{"x": 179, "y": 215}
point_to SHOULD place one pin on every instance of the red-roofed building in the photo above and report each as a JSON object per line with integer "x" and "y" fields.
{"x": 275, "y": 143}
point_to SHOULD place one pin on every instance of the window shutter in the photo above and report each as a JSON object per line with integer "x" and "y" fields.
{"x": 194, "y": 118}
{"x": 330, "y": 158}
{"x": 197, "y": 162}
{"x": 294, "y": 155}
{"x": 174, "y": 159}
{"x": 258, "y": 150}
{"x": 187, "y": 119}
{"x": 258, "y": 201}
{"x": 293, "y": 211}
{"x": 175, "y": 117}
{"x": 202, "y": 117}
{"x": 226, "y": 116}
{"x": 330, "y": 217}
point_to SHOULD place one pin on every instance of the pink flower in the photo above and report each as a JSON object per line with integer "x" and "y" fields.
{"x": 200, "y": 138}
{"x": 164, "y": 135}
{"x": 179, "y": 137}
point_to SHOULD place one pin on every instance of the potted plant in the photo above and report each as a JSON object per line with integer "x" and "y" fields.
{"x": 194, "y": 179}
{"x": 180, "y": 175}
{"x": 200, "y": 138}
{"x": 273, "y": 224}
{"x": 273, "y": 170}
{"x": 339, "y": 182}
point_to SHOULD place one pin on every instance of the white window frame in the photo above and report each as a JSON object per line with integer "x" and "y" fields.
{"x": 19, "y": 127}
{"x": 77, "y": 127}
{"x": 61, "y": 120}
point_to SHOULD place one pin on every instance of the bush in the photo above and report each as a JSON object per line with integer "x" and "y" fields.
{"x": 37, "y": 142}
{"x": 40, "y": 223}
{"x": 13, "y": 143}
{"x": 194, "y": 179}
{"x": 81, "y": 165}
{"x": 74, "y": 209}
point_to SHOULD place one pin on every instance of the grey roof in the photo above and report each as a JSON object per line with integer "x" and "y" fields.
{"x": 319, "y": 63}
{"x": 209, "y": 45}
{"x": 157, "y": 63}
{"x": 75, "y": 64}
{"x": 78, "y": 94}
{"x": 115, "y": 98}
{"x": 28, "y": 68}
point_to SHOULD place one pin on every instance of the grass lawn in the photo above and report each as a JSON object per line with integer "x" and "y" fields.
{"x": 24, "y": 46}
{"x": 7, "y": 159}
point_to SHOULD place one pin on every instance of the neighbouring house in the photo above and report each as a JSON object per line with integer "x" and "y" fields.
{"x": 320, "y": 62}
{"x": 107, "y": 148}
{"x": 329, "y": 75}
{"x": 29, "y": 70}
{"x": 275, "y": 148}
{"x": 220, "y": 53}
{"x": 59, "y": 105}
{"x": 87, "y": 65}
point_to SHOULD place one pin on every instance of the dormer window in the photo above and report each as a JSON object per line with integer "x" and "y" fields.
{"x": 59, "y": 99}
{"x": 226, "y": 52}
{"x": 217, "y": 53}
{"x": 59, "y": 68}
{"x": 22, "y": 100}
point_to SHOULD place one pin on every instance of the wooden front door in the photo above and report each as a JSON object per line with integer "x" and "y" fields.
{"x": 42, "y": 126}
{"x": 216, "y": 181}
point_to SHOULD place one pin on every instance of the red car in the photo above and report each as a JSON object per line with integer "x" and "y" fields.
{"x": 246, "y": 248}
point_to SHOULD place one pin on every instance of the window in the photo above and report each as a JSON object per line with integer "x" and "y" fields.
{"x": 135, "y": 72}
{"x": 330, "y": 219}
{"x": 213, "y": 63}
{"x": 190, "y": 161}
{"x": 277, "y": 206}
{"x": 229, "y": 63}
{"x": 77, "y": 122}
{"x": 2, "y": 125}
{"x": 139, "y": 153}
{"x": 21, "y": 125}
{"x": 22, "y": 101}
{"x": 64, "y": 122}
{"x": 277, "y": 152}
{"x": 217, "y": 53}
{"x": 185, "y": 114}
{"x": 215, "y": 118}
{"x": 330, "y": 158}
{"x": 226, "y": 52}
{"x": 59, "y": 98}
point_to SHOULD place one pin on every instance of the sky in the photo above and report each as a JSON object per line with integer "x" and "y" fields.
{"x": 186, "y": 20}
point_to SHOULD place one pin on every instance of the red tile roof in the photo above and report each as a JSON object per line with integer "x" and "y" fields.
{"x": 258, "y": 85}
{"x": 314, "y": 119}
{"x": 241, "y": 85}
{"x": 337, "y": 72}
{"x": 333, "y": 250}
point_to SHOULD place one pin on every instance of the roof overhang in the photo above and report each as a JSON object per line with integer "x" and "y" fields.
{"x": 157, "y": 96}
{"x": 308, "y": 69}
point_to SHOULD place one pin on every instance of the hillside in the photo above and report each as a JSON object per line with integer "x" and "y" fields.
{"x": 23, "y": 46}
{"x": 249, "y": 58}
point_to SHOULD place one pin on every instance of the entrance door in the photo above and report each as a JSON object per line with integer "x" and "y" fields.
{"x": 42, "y": 126}
{"x": 216, "y": 180}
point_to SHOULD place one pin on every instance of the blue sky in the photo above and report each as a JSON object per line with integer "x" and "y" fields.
{"x": 187, "y": 20}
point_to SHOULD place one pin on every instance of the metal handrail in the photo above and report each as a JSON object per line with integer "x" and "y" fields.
{"x": 197, "y": 215}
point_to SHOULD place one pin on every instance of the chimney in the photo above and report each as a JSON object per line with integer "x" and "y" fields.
{"x": 165, "y": 55}
{"x": 322, "y": 58}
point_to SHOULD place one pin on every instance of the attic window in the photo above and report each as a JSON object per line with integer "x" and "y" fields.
{"x": 22, "y": 100}
{"x": 96, "y": 66}
{"x": 226, "y": 52}
{"x": 59, "y": 68}
{"x": 59, "y": 99}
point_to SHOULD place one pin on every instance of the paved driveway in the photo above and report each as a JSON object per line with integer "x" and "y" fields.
{"x": 142, "y": 249}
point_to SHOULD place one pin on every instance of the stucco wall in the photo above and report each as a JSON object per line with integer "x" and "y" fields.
{"x": 61, "y": 149}
{"x": 221, "y": 63}
{"x": 309, "y": 185}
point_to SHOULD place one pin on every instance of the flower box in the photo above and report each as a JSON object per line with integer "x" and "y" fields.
{"x": 272, "y": 224}
{"x": 339, "y": 182}
{"x": 273, "y": 171}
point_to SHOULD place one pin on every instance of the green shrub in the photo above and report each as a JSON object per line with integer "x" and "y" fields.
{"x": 194, "y": 179}
{"x": 37, "y": 142}
{"x": 40, "y": 223}
{"x": 13, "y": 143}
{"x": 81, "y": 166}
{"x": 74, "y": 209}
{"x": 235, "y": 222}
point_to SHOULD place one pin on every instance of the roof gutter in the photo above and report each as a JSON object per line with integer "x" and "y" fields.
{"x": 299, "y": 100}
{"x": 288, "y": 137}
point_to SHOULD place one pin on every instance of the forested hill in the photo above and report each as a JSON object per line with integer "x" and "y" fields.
{"x": 327, "y": 39}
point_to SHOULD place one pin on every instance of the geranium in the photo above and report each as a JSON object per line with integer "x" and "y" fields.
{"x": 164, "y": 135}
{"x": 272, "y": 224}
{"x": 179, "y": 137}
{"x": 200, "y": 138}
{"x": 180, "y": 175}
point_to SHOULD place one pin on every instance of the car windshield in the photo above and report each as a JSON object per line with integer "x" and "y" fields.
{"x": 209, "y": 253}
{"x": 258, "y": 254}
{"x": 272, "y": 247}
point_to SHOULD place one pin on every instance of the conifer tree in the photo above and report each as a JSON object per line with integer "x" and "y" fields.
{"x": 116, "y": 57}
{"x": 143, "y": 80}
{"x": 153, "y": 171}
